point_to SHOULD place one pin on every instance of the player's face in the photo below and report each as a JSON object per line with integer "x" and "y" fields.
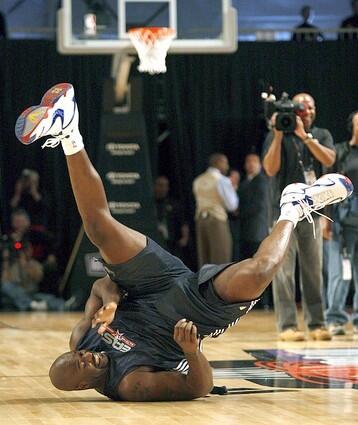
{"x": 78, "y": 370}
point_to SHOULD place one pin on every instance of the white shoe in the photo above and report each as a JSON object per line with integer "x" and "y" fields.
{"x": 38, "y": 305}
{"x": 336, "y": 329}
{"x": 355, "y": 332}
{"x": 56, "y": 115}
{"x": 299, "y": 201}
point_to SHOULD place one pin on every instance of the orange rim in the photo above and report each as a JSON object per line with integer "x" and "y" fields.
{"x": 152, "y": 33}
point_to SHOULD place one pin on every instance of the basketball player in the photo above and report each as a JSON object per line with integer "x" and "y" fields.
{"x": 152, "y": 349}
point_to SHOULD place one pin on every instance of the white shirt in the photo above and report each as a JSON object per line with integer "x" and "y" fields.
{"x": 226, "y": 190}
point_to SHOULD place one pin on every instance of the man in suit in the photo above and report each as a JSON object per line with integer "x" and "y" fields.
{"x": 253, "y": 211}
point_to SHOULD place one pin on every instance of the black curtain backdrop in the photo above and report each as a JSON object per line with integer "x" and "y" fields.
{"x": 211, "y": 103}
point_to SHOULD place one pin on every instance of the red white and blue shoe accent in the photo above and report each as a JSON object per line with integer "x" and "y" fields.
{"x": 328, "y": 189}
{"x": 56, "y": 115}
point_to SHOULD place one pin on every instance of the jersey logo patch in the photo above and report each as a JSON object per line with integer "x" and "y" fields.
{"x": 117, "y": 340}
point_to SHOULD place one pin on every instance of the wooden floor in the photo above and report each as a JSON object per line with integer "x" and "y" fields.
{"x": 29, "y": 343}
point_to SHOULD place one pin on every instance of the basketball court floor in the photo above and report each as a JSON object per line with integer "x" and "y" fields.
{"x": 269, "y": 382}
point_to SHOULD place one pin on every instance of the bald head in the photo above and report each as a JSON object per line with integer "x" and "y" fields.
{"x": 303, "y": 97}
{"x": 308, "y": 115}
{"x": 63, "y": 373}
{"x": 219, "y": 161}
{"x": 79, "y": 370}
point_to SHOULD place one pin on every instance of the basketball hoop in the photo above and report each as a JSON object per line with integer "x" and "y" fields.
{"x": 152, "y": 44}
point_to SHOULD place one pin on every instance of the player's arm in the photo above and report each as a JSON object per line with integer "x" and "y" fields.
{"x": 161, "y": 386}
{"x": 105, "y": 296}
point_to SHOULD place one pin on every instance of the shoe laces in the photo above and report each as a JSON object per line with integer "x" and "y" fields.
{"x": 307, "y": 211}
{"x": 53, "y": 142}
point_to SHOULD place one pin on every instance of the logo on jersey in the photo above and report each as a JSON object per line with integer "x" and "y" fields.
{"x": 117, "y": 340}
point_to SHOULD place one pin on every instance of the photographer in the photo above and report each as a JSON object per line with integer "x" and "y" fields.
{"x": 297, "y": 155}
{"x": 27, "y": 196}
{"x": 26, "y": 263}
{"x": 20, "y": 275}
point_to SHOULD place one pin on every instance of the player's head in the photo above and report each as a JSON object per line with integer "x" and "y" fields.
{"x": 79, "y": 370}
{"x": 219, "y": 161}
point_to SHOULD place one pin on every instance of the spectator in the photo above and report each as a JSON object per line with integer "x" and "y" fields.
{"x": 299, "y": 157}
{"x": 42, "y": 249}
{"x": 343, "y": 247}
{"x": 28, "y": 197}
{"x": 3, "y": 30}
{"x": 41, "y": 242}
{"x": 235, "y": 178}
{"x": 254, "y": 205}
{"x": 214, "y": 195}
{"x": 253, "y": 214}
{"x": 20, "y": 275}
{"x": 171, "y": 222}
{"x": 307, "y": 14}
{"x": 351, "y": 22}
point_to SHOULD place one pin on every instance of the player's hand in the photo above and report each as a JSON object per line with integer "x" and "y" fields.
{"x": 104, "y": 316}
{"x": 186, "y": 336}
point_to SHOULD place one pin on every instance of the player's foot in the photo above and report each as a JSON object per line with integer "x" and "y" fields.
{"x": 56, "y": 115}
{"x": 320, "y": 334}
{"x": 299, "y": 201}
{"x": 291, "y": 335}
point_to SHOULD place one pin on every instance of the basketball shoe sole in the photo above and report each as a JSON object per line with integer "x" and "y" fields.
{"x": 56, "y": 115}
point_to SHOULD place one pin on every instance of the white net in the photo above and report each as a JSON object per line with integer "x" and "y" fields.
{"x": 152, "y": 45}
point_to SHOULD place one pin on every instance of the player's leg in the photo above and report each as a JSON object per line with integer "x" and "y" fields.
{"x": 57, "y": 116}
{"x": 116, "y": 242}
{"x": 248, "y": 279}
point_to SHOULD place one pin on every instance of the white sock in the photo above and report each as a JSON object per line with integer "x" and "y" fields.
{"x": 291, "y": 213}
{"x": 73, "y": 143}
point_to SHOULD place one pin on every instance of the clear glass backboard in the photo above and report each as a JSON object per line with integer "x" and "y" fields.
{"x": 101, "y": 26}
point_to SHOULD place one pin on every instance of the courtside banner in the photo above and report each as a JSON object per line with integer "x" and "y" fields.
{"x": 123, "y": 164}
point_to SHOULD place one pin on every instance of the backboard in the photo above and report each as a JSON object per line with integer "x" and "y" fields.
{"x": 100, "y": 26}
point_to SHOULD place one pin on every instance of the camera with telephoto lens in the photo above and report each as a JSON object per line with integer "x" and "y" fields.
{"x": 286, "y": 109}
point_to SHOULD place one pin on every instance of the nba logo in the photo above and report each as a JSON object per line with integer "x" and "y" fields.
{"x": 90, "y": 26}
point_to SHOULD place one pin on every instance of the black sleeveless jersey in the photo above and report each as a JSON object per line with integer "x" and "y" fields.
{"x": 161, "y": 291}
